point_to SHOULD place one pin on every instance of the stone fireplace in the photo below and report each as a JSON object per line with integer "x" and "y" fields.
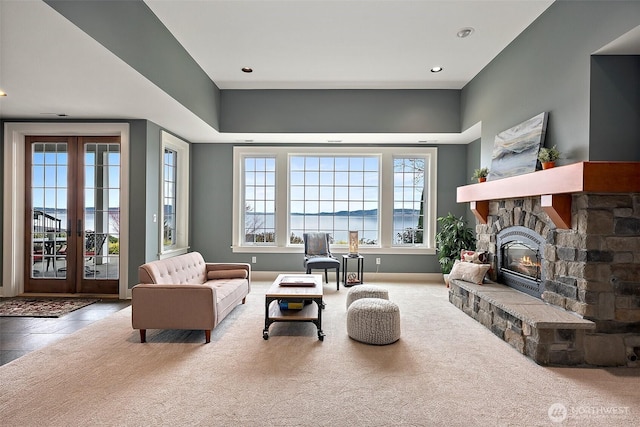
{"x": 573, "y": 258}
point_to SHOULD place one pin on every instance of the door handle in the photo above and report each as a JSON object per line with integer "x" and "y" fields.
{"x": 79, "y": 228}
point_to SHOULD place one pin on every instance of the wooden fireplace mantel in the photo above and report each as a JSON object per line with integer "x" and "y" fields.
{"x": 555, "y": 187}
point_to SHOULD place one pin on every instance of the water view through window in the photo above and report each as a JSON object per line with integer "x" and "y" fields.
{"x": 335, "y": 195}
{"x": 385, "y": 194}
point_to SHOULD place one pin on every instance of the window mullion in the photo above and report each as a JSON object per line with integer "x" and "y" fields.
{"x": 386, "y": 200}
{"x": 282, "y": 200}
{"x": 430, "y": 188}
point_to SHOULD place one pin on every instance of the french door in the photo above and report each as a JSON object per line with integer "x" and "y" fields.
{"x": 72, "y": 214}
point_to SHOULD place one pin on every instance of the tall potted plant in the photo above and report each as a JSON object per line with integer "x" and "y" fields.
{"x": 454, "y": 235}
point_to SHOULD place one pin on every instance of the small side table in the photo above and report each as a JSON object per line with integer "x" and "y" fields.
{"x": 360, "y": 272}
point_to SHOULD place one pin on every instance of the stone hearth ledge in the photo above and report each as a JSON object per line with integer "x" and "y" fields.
{"x": 547, "y": 334}
{"x": 530, "y": 310}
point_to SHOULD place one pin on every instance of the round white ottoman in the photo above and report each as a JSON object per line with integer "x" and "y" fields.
{"x": 374, "y": 321}
{"x": 366, "y": 291}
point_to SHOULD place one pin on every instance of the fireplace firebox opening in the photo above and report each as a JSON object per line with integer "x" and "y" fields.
{"x": 519, "y": 260}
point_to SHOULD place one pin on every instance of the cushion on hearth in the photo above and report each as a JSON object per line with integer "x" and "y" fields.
{"x": 469, "y": 272}
{"x": 477, "y": 257}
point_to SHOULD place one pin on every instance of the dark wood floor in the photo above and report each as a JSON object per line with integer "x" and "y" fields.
{"x": 21, "y": 335}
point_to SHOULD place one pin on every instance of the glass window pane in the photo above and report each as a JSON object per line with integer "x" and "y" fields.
{"x": 312, "y": 163}
{"x": 259, "y": 200}
{"x": 341, "y": 206}
{"x": 170, "y": 197}
{"x": 38, "y": 176}
{"x": 296, "y": 163}
{"x": 408, "y": 193}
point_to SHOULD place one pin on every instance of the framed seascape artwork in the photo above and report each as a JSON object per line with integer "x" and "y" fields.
{"x": 515, "y": 150}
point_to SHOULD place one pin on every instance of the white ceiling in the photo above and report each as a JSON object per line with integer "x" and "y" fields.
{"x": 48, "y": 66}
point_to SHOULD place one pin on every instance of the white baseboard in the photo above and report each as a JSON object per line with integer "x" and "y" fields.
{"x": 268, "y": 276}
{"x": 368, "y": 277}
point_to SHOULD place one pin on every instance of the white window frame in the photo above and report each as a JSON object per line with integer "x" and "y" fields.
{"x": 244, "y": 199}
{"x": 387, "y": 154}
{"x": 181, "y": 147}
{"x": 14, "y": 196}
{"x": 403, "y": 189}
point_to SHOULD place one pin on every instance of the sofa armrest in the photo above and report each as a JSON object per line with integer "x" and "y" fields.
{"x": 217, "y": 266}
{"x": 179, "y": 306}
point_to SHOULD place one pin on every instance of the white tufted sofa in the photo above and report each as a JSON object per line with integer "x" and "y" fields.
{"x": 185, "y": 292}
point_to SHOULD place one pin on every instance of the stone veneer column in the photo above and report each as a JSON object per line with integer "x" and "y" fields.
{"x": 592, "y": 269}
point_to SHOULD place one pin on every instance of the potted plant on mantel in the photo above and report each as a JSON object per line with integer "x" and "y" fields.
{"x": 480, "y": 174}
{"x": 548, "y": 157}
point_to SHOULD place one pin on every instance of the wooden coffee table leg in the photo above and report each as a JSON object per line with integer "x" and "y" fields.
{"x": 318, "y": 321}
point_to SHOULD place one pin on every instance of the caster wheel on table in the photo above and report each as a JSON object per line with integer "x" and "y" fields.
{"x": 265, "y": 335}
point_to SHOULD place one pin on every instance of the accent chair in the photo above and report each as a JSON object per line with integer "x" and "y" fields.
{"x": 317, "y": 255}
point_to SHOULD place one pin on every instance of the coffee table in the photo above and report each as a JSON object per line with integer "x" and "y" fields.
{"x": 294, "y": 287}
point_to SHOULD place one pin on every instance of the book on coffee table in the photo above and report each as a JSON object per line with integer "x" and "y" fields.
{"x": 291, "y": 305}
{"x": 296, "y": 281}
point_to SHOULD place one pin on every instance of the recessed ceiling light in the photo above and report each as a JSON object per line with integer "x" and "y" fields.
{"x": 465, "y": 32}
{"x": 55, "y": 114}
{"x": 3, "y": 93}
{"x": 436, "y": 69}
{"x": 247, "y": 70}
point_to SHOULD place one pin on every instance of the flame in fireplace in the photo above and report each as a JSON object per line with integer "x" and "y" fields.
{"x": 528, "y": 266}
{"x": 526, "y": 261}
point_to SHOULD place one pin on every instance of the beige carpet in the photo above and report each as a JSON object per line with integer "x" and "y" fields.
{"x": 446, "y": 370}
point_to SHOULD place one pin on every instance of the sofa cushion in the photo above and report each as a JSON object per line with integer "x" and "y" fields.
{"x": 187, "y": 268}
{"x": 227, "y": 274}
{"x": 228, "y": 292}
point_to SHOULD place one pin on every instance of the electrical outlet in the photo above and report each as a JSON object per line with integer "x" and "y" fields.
{"x": 377, "y": 261}
{"x": 253, "y": 260}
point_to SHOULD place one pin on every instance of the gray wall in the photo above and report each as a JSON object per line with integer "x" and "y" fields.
{"x": 473, "y": 163}
{"x": 138, "y": 203}
{"x": 2, "y": 195}
{"x": 212, "y": 201}
{"x": 547, "y": 68}
{"x": 342, "y": 111}
{"x": 152, "y": 191}
{"x": 131, "y": 31}
{"x": 615, "y": 108}
{"x": 144, "y": 193}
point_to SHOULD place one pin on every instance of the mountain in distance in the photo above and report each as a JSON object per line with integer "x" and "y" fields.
{"x": 369, "y": 212}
